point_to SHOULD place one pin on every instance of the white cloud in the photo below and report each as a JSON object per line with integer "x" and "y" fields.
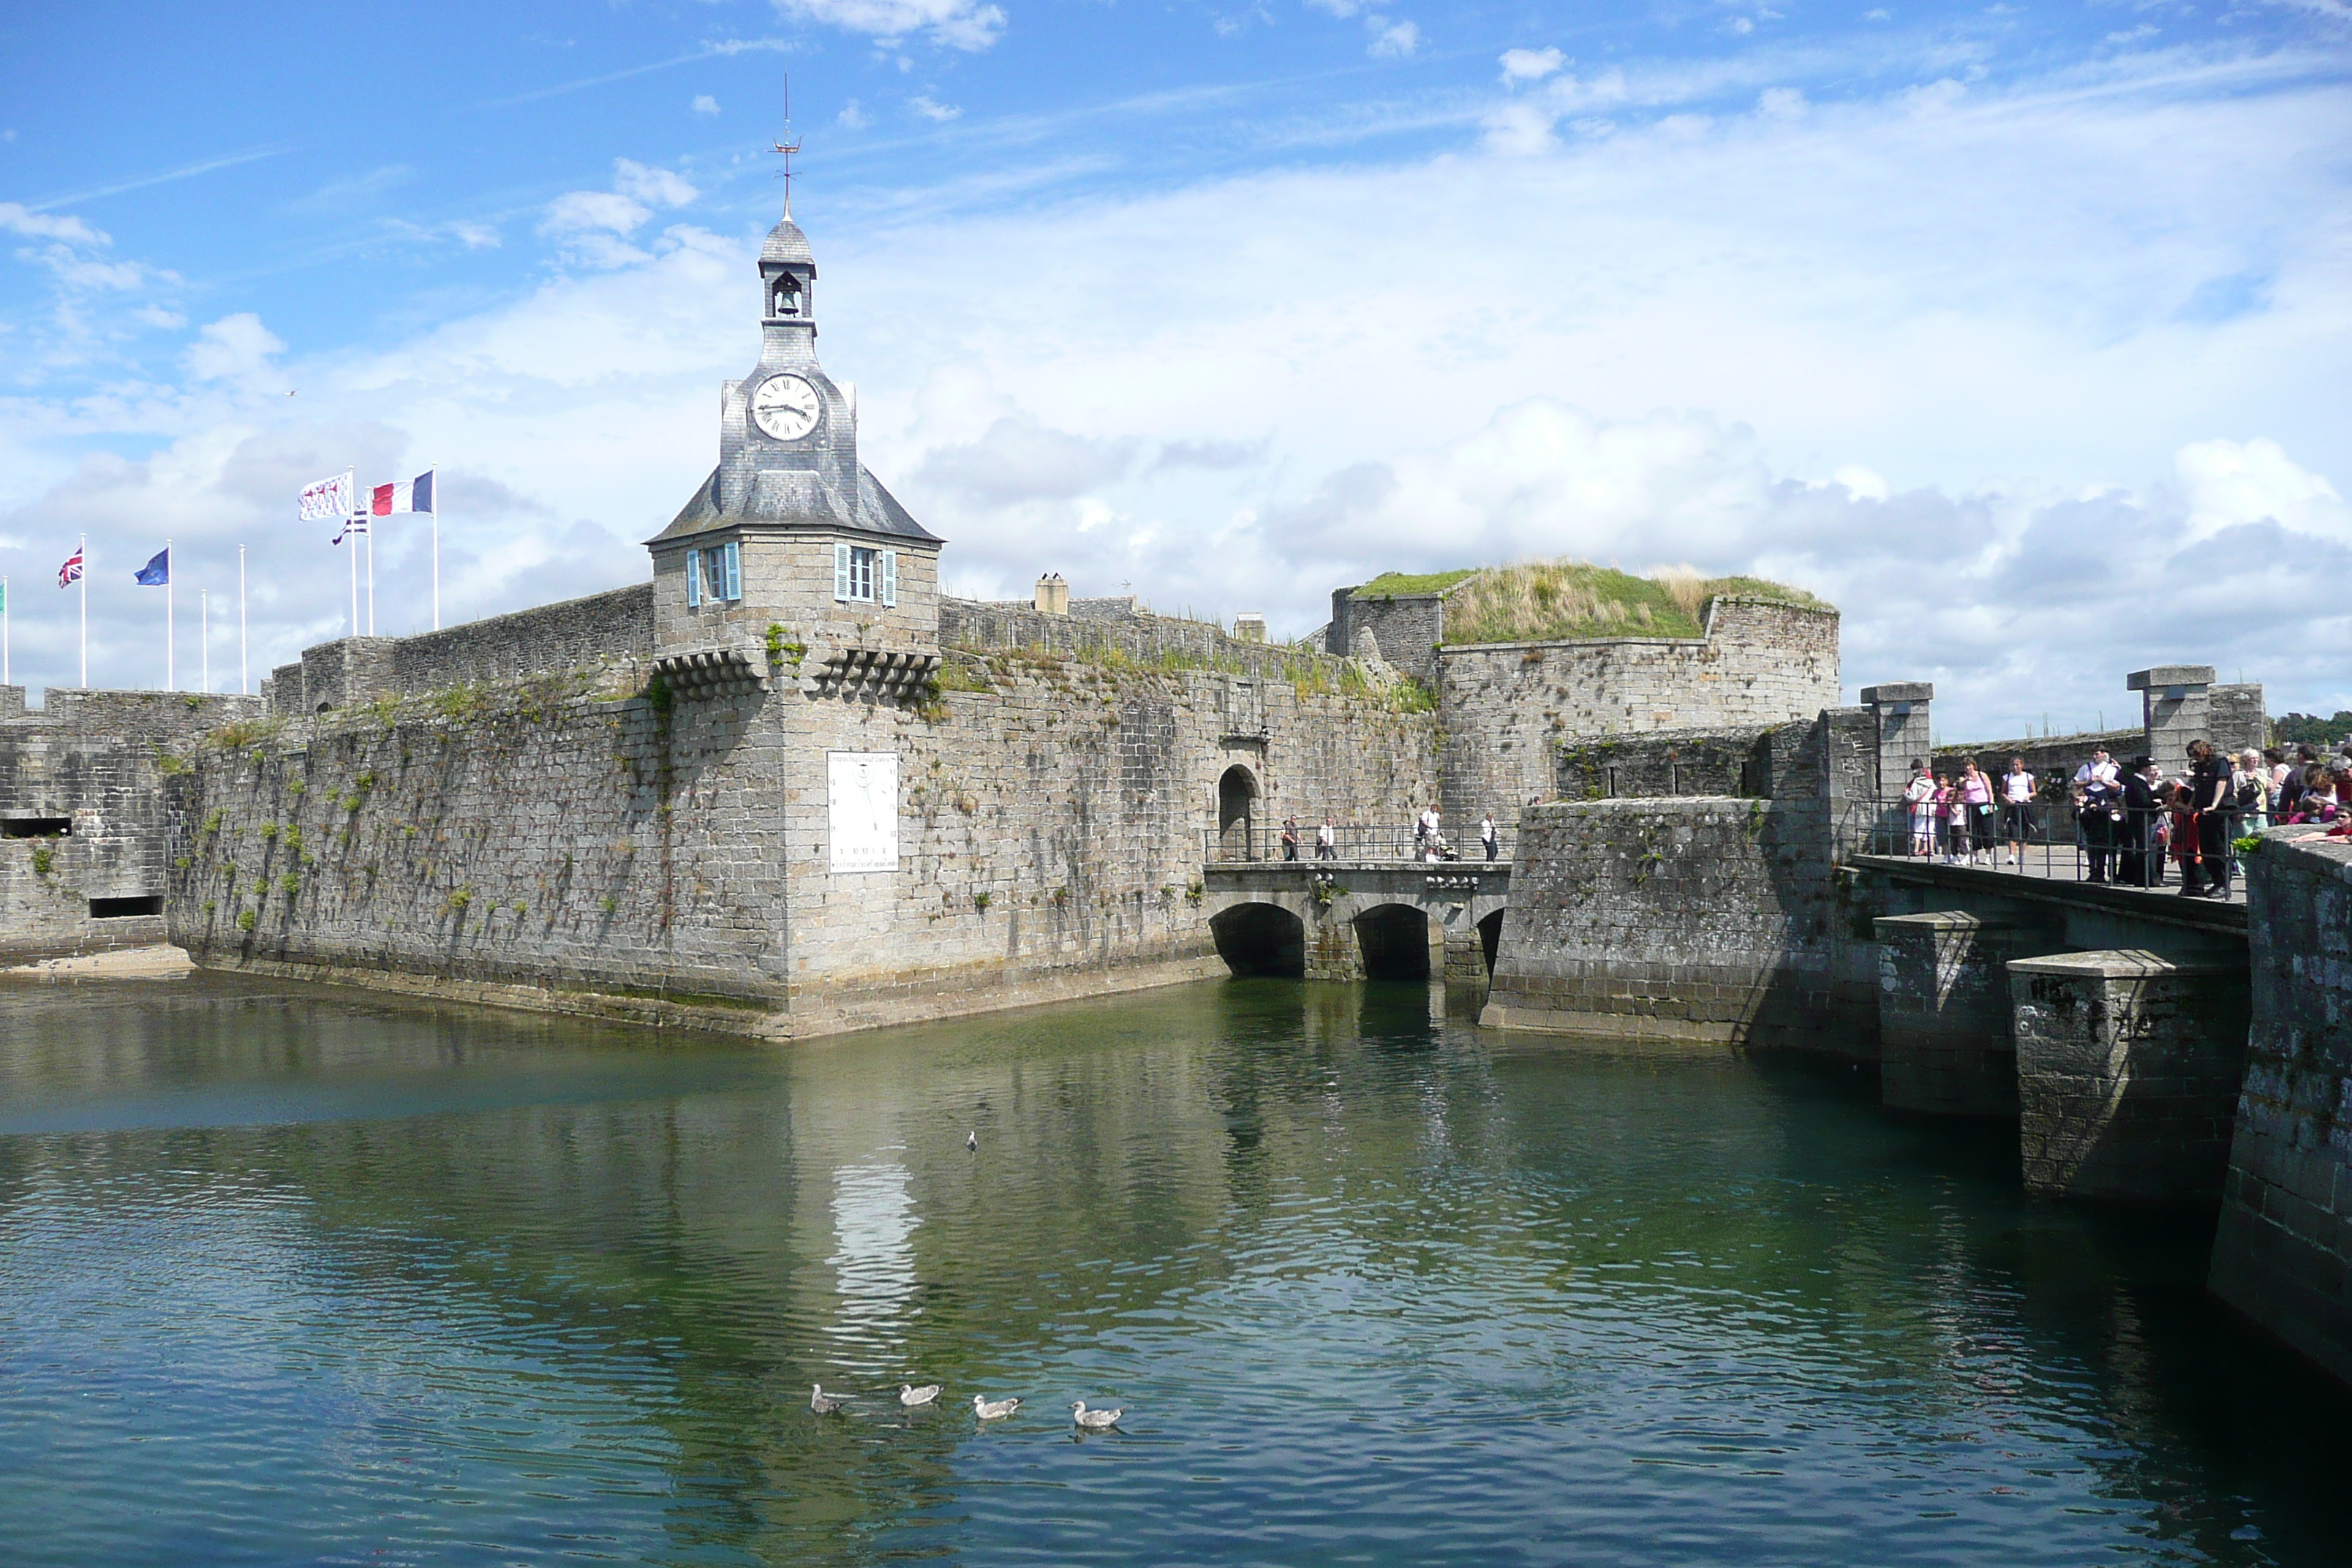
{"x": 1861, "y": 483}
{"x": 655, "y": 187}
{"x": 923, "y": 104}
{"x": 233, "y": 346}
{"x": 703, "y": 104}
{"x": 18, "y": 219}
{"x": 1530, "y": 65}
{"x": 2228, "y": 483}
{"x": 1392, "y": 40}
{"x": 1781, "y": 103}
{"x": 1519, "y": 130}
{"x": 956, "y": 24}
{"x": 853, "y": 117}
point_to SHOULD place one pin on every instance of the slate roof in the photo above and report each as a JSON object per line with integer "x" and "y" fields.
{"x": 799, "y": 498}
{"x": 787, "y": 243}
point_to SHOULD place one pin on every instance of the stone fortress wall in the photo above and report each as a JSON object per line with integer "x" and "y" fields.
{"x": 565, "y": 843}
{"x": 1508, "y": 706}
{"x": 82, "y": 824}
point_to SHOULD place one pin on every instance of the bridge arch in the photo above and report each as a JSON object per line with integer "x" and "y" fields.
{"x": 1394, "y": 940}
{"x": 1261, "y": 939}
{"x": 1236, "y": 811}
{"x": 1490, "y": 938}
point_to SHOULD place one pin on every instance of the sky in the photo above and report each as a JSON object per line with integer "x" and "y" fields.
{"x": 2022, "y": 332}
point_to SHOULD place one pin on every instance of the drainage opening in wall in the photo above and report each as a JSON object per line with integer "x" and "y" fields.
{"x": 35, "y": 826}
{"x": 123, "y": 908}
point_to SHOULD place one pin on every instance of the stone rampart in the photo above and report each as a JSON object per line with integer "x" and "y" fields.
{"x": 555, "y": 844}
{"x": 1405, "y": 630}
{"x": 1700, "y": 920}
{"x": 608, "y": 628}
{"x": 1138, "y": 637}
{"x": 81, "y": 817}
{"x": 1508, "y": 706}
{"x": 2283, "y": 1252}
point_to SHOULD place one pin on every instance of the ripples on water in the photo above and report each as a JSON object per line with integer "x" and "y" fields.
{"x": 289, "y": 1276}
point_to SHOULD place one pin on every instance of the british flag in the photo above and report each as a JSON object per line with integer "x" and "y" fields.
{"x": 70, "y": 572}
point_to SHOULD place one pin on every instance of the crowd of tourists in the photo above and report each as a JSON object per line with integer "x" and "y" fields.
{"x": 2130, "y": 821}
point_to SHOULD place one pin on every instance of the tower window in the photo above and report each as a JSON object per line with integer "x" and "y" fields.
{"x": 715, "y": 573}
{"x": 865, "y": 576}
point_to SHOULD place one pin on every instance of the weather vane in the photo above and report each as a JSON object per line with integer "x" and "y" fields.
{"x": 789, "y": 145}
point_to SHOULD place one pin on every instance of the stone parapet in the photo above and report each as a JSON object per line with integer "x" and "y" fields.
{"x": 2283, "y": 1250}
{"x": 2128, "y": 1066}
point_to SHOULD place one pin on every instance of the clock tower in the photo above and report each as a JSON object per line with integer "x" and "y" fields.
{"x": 790, "y": 529}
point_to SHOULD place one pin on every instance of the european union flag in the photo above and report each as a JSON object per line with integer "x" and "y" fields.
{"x": 158, "y": 572}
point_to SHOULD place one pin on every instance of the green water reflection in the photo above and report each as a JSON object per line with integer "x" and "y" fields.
{"x": 288, "y": 1276}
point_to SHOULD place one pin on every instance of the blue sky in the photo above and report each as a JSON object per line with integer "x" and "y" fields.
{"x": 2022, "y": 331}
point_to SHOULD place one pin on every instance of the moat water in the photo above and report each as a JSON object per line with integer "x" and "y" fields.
{"x": 291, "y": 1276}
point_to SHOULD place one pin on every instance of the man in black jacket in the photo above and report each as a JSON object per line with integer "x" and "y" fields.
{"x": 2142, "y": 861}
{"x": 2209, "y": 794}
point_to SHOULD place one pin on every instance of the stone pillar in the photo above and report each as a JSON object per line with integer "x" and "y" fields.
{"x": 2128, "y": 1068}
{"x": 1332, "y": 951}
{"x": 1249, "y": 628}
{"x": 1053, "y": 596}
{"x": 1466, "y": 954}
{"x": 2174, "y": 709}
{"x": 1903, "y": 729}
{"x": 1944, "y": 1045}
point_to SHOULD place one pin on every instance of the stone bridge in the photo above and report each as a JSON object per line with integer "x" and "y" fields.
{"x": 1359, "y": 919}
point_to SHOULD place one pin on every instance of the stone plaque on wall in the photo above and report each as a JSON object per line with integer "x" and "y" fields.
{"x": 862, "y": 796}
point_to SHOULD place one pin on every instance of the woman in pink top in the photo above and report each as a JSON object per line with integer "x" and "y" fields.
{"x": 1976, "y": 799}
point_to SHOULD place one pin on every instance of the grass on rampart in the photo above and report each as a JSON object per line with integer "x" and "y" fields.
{"x": 1567, "y": 600}
{"x": 1393, "y": 582}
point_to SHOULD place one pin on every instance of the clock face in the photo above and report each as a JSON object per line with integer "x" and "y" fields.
{"x": 785, "y": 407}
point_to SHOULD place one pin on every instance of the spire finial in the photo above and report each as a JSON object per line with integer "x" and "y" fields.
{"x": 789, "y": 145}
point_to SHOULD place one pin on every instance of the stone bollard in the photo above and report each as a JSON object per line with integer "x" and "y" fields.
{"x": 2128, "y": 1066}
{"x": 1944, "y": 1012}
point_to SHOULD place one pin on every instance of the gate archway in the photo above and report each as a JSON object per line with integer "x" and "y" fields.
{"x": 1236, "y": 812}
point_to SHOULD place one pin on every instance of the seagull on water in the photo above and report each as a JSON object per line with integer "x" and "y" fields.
{"x": 821, "y": 1402}
{"x": 1094, "y": 1420}
{"x": 911, "y": 1396}
{"x": 993, "y": 1409}
{"x": 972, "y": 1139}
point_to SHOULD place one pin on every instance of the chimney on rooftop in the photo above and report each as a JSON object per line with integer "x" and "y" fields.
{"x": 1250, "y": 628}
{"x": 1053, "y": 595}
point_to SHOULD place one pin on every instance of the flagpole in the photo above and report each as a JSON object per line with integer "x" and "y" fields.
{"x": 204, "y": 635}
{"x": 240, "y": 620}
{"x": 437, "y": 546}
{"x": 171, "y": 635}
{"x": 349, "y": 538}
{"x": 82, "y": 550}
{"x": 4, "y": 631}
{"x": 371, "y": 543}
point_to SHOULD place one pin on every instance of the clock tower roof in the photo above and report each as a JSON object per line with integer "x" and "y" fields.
{"x": 786, "y": 243}
{"x": 787, "y": 432}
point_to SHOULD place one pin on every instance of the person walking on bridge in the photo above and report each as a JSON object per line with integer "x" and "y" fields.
{"x": 1327, "y": 840}
{"x": 1486, "y": 834}
{"x": 1919, "y": 795}
{"x": 1290, "y": 838}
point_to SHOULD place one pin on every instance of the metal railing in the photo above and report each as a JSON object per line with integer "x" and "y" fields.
{"x": 2135, "y": 847}
{"x": 1255, "y": 841}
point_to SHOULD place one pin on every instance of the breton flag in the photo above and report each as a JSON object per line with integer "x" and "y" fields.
{"x": 327, "y": 501}
{"x": 71, "y": 571}
{"x": 156, "y": 573}
{"x": 356, "y": 524}
{"x": 417, "y": 495}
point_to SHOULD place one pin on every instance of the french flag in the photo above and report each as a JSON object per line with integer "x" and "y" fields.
{"x": 417, "y": 495}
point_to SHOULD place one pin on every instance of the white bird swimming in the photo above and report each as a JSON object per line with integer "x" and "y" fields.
{"x": 1094, "y": 1420}
{"x": 908, "y": 1394}
{"x": 972, "y": 1139}
{"x": 993, "y": 1409}
{"x": 821, "y": 1402}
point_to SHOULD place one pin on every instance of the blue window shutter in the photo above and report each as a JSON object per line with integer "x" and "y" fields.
{"x": 734, "y": 569}
{"x": 693, "y": 577}
{"x": 890, "y": 577}
{"x": 841, "y": 573}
